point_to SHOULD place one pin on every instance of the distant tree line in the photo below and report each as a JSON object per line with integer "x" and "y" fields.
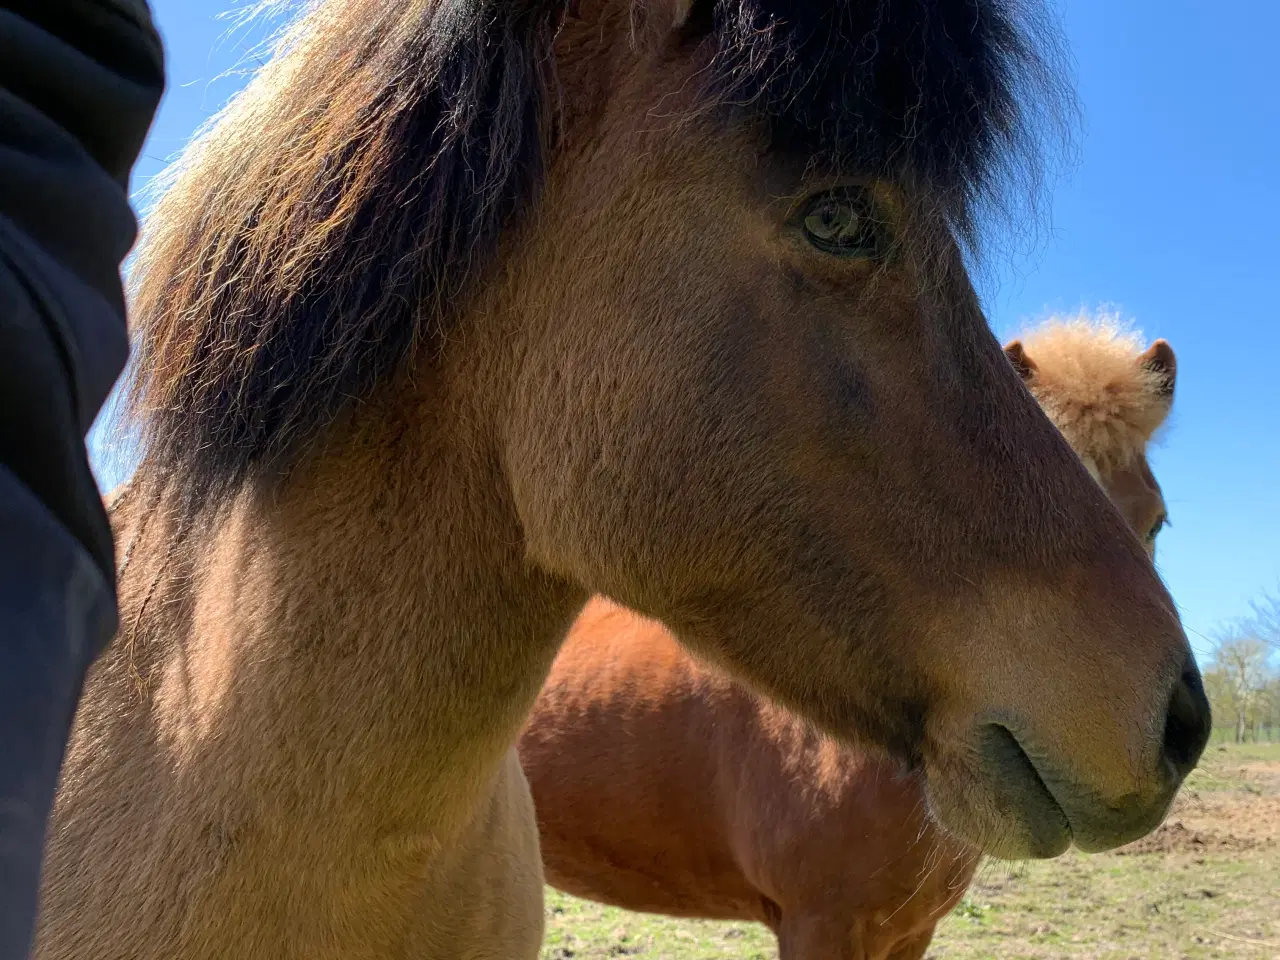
{"x": 1242, "y": 678}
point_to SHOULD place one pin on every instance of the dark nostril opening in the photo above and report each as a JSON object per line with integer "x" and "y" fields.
{"x": 1187, "y": 727}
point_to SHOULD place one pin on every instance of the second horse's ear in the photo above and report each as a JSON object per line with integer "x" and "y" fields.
{"x": 1160, "y": 360}
{"x": 1017, "y": 355}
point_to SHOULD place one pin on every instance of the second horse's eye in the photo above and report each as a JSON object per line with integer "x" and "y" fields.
{"x": 1161, "y": 522}
{"x": 842, "y": 222}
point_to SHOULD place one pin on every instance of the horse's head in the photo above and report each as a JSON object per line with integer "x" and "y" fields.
{"x": 690, "y": 274}
{"x": 761, "y": 402}
{"x": 1108, "y": 396}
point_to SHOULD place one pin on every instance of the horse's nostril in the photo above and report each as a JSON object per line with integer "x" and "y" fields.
{"x": 1187, "y": 726}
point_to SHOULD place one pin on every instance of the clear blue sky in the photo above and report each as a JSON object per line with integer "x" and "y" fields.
{"x": 1172, "y": 217}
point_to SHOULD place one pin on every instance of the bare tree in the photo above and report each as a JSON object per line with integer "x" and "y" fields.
{"x": 1265, "y": 619}
{"x": 1271, "y": 706}
{"x": 1217, "y": 687}
{"x": 1240, "y": 675}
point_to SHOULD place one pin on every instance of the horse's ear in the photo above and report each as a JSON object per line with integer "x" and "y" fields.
{"x": 1017, "y": 355}
{"x": 1159, "y": 359}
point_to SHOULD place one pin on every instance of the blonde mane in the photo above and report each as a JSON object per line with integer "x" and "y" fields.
{"x": 1091, "y": 379}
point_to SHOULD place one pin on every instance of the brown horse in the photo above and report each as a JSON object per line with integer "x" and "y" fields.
{"x": 665, "y": 786}
{"x": 468, "y": 309}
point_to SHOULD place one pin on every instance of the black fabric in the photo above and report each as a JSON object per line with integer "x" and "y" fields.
{"x": 80, "y": 81}
{"x": 55, "y": 609}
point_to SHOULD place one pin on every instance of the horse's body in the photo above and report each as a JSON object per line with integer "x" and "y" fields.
{"x": 662, "y": 785}
{"x": 468, "y": 309}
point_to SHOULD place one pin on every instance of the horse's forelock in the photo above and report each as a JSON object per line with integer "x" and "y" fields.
{"x": 1090, "y": 379}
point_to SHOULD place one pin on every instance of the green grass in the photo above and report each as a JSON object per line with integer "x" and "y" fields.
{"x": 1200, "y": 901}
{"x": 579, "y": 929}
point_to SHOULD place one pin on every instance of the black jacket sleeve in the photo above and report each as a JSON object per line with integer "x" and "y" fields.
{"x": 80, "y": 81}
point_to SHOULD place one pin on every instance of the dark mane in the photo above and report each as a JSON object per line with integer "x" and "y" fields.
{"x": 331, "y": 218}
{"x": 956, "y": 96}
{"x": 327, "y": 221}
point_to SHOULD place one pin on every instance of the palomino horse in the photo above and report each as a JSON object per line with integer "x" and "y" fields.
{"x": 468, "y": 309}
{"x": 663, "y": 786}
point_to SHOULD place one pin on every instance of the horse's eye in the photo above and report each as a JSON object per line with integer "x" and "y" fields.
{"x": 1157, "y": 527}
{"x": 842, "y": 222}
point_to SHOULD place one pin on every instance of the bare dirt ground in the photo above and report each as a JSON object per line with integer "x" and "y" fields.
{"x": 1233, "y": 804}
{"x": 1204, "y": 886}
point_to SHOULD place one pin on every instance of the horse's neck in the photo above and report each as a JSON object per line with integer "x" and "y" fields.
{"x": 374, "y": 623}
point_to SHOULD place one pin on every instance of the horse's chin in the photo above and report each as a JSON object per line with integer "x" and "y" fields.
{"x": 1015, "y": 803}
{"x": 991, "y": 795}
